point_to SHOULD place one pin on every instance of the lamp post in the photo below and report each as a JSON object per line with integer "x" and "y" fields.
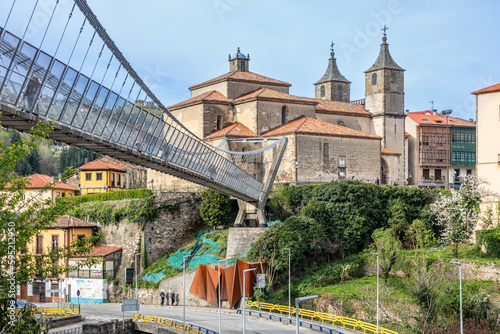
{"x": 448, "y": 149}
{"x": 461, "y": 314}
{"x": 136, "y": 274}
{"x": 289, "y": 282}
{"x": 297, "y": 302}
{"x": 218, "y": 268}
{"x": 377, "y": 290}
{"x": 184, "y": 287}
{"x": 244, "y": 293}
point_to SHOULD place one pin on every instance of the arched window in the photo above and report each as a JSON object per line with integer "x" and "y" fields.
{"x": 374, "y": 78}
{"x": 243, "y": 66}
{"x": 284, "y": 114}
{"x": 394, "y": 77}
{"x": 322, "y": 91}
{"x": 340, "y": 93}
{"x": 219, "y": 122}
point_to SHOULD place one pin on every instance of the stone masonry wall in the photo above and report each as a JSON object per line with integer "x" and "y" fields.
{"x": 172, "y": 229}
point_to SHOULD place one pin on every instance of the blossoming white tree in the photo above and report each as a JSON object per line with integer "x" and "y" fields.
{"x": 458, "y": 212}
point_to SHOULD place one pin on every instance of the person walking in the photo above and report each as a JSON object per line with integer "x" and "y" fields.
{"x": 377, "y": 181}
{"x": 173, "y": 297}
{"x": 162, "y": 296}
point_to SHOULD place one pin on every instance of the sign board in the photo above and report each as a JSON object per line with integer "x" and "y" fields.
{"x": 130, "y": 305}
{"x": 129, "y": 275}
{"x": 78, "y": 292}
{"x": 97, "y": 273}
{"x": 261, "y": 281}
{"x": 54, "y": 290}
{"x": 30, "y": 289}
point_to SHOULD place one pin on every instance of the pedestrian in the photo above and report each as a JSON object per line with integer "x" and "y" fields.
{"x": 377, "y": 181}
{"x": 31, "y": 91}
{"x": 162, "y": 296}
{"x": 173, "y": 297}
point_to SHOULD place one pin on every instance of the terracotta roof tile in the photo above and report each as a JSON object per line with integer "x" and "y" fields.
{"x": 67, "y": 221}
{"x": 101, "y": 250}
{"x": 271, "y": 94}
{"x": 428, "y": 118}
{"x": 341, "y": 107}
{"x": 490, "y": 89}
{"x": 233, "y": 130}
{"x": 210, "y": 96}
{"x": 120, "y": 162}
{"x": 386, "y": 151}
{"x": 308, "y": 125}
{"x": 242, "y": 76}
{"x": 101, "y": 165}
{"x": 37, "y": 181}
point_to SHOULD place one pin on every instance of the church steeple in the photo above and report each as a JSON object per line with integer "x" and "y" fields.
{"x": 333, "y": 85}
{"x": 239, "y": 62}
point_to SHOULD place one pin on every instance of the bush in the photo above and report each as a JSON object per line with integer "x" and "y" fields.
{"x": 215, "y": 208}
{"x": 490, "y": 239}
{"x": 111, "y": 196}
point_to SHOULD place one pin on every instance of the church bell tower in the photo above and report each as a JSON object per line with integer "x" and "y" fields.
{"x": 239, "y": 62}
{"x": 333, "y": 86}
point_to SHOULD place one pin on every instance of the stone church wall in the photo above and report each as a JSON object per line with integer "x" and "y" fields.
{"x": 221, "y": 87}
{"x": 190, "y": 117}
{"x": 269, "y": 114}
{"x": 355, "y": 122}
{"x": 246, "y": 114}
{"x": 239, "y": 89}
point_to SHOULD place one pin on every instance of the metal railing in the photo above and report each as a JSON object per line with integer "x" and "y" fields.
{"x": 178, "y": 326}
{"x": 336, "y": 320}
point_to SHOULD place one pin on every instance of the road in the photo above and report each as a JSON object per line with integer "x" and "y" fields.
{"x": 206, "y": 317}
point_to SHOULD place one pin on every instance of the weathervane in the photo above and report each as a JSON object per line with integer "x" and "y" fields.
{"x": 384, "y": 29}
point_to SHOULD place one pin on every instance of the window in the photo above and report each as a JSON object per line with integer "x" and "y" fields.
{"x": 322, "y": 91}
{"x": 457, "y": 175}
{"x": 374, "y": 78}
{"x": 326, "y": 150}
{"x": 284, "y": 114}
{"x": 98, "y": 176}
{"x": 112, "y": 179}
{"x": 469, "y": 171}
{"x": 242, "y": 65}
{"x": 63, "y": 194}
{"x": 219, "y": 122}
{"x": 55, "y": 241}
{"x": 394, "y": 77}
{"x": 437, "y": 174}
{"x": 88, "y": 176}
{"x": 58, "y": 194}
{"x": 118, "y": 180}
{"x": 80, "y": 239}
{"x": 341, "y": 123}
{"x": 340, "y": 93}
{"x": 425, "y": 174}
{"x": 39, "y": 244}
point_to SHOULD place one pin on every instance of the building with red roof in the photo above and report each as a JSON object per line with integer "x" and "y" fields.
{"x": 242, "y": 104}
{"x": 40, "y": 187}
{"x": 101, "y": 176}
{"x": 441, "y": 149}
{"x": 488, "y": 127}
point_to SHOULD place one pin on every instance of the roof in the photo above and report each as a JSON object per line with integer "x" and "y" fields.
{"x": 101, "y": 251}
{"x": 101, "y": 165}
{"x": 341, "y": 107}
{"x": 210, "y": 96}
{"x": 385, "y": 151}
{"x": 67, "y": 221}
{"x": 37, "y": 181}
{"x": 233, "y": 130}
{"x": 308, "y": 125}
{"x": 274, "y": 95}
{"x": 407, "y": 134}
{"x": 428, "y": 118}
{"x": 490, "y": 89}
{"x": 384, "y": 59}
{"x": 116, "y": 161}
{"x": 242, "y": 76}
{"x": 332, "y": 72}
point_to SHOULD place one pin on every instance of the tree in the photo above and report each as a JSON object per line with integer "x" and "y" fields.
{"x": 215, "y": 208}
{"x": 457, "y": 212}
{"x": 21, "y": 221}
{"x": 388, "y": 248}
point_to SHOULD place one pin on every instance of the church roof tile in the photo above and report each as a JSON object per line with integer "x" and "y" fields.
{"x": 341, "y": 107}
{"x": 332, "y": 72}
{"x": 210, "y": 96}
{"x": 384, "y": 59}
{"x": 271, "y": 94}
{"x": 233, "y": 130}
{"x": 244, "y": 77}
{"x": 386, "y": 151}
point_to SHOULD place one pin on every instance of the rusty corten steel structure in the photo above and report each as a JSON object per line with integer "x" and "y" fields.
{"x": 205, "y": 282}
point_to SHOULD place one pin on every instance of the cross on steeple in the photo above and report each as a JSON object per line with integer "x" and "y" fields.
{"x": 331, "y": 46}
{"x": 384, "y": 29}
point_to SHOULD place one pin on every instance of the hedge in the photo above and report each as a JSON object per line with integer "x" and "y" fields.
{"x": 490, "y": 239}
{"x": 111, "y": 196}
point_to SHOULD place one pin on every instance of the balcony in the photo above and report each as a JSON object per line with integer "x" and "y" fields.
{"x": 431, "y": 179}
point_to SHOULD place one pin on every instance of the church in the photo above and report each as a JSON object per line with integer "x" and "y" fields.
{"x": 330, "y": 137}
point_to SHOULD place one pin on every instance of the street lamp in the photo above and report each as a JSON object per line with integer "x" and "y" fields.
{"x": 446, "y": 113}
{"x": 244, "y": 293}
{"x": 184, "y": 287}
{"x": 297, "y": 302}
{"x": 289, "y": 282}
{"x": 377, "y": 290}
{"x": 136, "y": 274}
{"x": 461, "y": 314}
{"x": 218, "y": 268}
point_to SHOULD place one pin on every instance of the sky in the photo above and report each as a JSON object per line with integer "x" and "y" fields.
{"x": 448, "y": 48}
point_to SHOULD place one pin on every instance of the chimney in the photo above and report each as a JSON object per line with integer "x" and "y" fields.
{"x": 72, "y": 221}
{"x": 86, "y": 160}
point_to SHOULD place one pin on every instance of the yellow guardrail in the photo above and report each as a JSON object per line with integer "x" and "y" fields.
{"x": 51, "y": 311}
{"x": 323, "y": 317}
{"x": 168, "y": 323}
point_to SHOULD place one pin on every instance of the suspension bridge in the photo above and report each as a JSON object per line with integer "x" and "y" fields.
{"x": 73, "y": 76}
